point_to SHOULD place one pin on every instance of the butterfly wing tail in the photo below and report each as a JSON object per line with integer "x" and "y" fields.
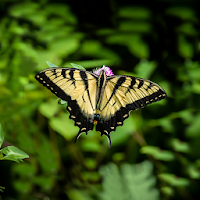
{"x": 109, "y": 140}
{"x": 84, "y": 129}
{"x": 105, "y": 127}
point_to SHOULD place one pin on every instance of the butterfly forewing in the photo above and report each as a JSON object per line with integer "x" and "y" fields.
{"x": 138, "y": 92}
{"x": 78, "y": 88}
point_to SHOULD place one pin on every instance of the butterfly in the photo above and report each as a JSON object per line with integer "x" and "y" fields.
{"x": 100, "y": 98}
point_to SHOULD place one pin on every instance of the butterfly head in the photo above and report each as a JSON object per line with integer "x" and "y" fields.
{"x": 106, "y": 69}
{"x": 96, "y": 118}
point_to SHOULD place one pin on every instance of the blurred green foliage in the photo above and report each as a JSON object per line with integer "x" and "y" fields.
{"x": 134, "y": 182}
{"x": 155, "y": 154}
{"x": 11, "y": 153}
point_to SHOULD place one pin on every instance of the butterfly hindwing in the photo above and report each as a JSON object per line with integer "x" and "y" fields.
{"x": 123, "y": 94}
{"x": 78, "y": 88}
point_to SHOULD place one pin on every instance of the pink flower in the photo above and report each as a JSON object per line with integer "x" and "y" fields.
{"x": 107, "y": 70}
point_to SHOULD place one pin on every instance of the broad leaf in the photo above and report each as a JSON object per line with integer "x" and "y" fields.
{"x": 77, "y": 66}
{"x": 129, "y": 182}
{"x": 14, "y": 154}
{"x": 51, "y": 64}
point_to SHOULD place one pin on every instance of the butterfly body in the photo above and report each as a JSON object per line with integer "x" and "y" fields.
{"x": 98, "y": 98}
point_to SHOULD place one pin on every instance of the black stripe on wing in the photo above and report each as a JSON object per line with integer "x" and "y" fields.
{"x": 144, "y": 101}
{"x": 119, "y": 83}
{"x": 42, "y": 78}
{"x": 85, "y": 80}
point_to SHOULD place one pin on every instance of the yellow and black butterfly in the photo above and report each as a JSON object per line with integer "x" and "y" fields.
{"x": 100, "y": 98}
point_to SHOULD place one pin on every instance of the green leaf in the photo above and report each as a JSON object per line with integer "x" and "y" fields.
{"x": 60, "y": 101}
{"x": 51, "y": 64}
{"x": 180, "y": 146}
{"x": 187, "y": 28}
{"x": 134, "y": 12}
{"x": 138, "y": 47}
{"x": 134, "y": 42}
{"x": 158, "y": 153}
{"x": 193, "y": 71}
{"x": 14, "y": 154}
{"x": 192, "y": 131}
{"x": 119, "y": 156}
{"x": 129, "y": 25}
{"x": 173, "y": 180}
{"x": 95, "y": 49}
{"x": 77, "y": 66}
{"x": 145, "y": 68}
{"x": 185, "y": 48}
{"x": 1, "y": 190}
{"x": 90, "y": 163}
{"x": 182, "y": 12}
{"x": 64, "y": 126}
{"x": 49, "y": 109}
{"x": 128, "y": 182}
{"x": 23, "y": 186}
{"x": 24, "y": 170}
{"x": 46, "y": 156}
{"x": 166, "y": 124}
{"x": 65, "y": 46}
{"x": 22, "y": 9}
{"x": 90, "y": 176}
{"x": 167, "y": 190}
{"x": 90, "y": 145}
{"x": 43, "y": 181}
{"x": 75, "y": 194}
{"x": 193, "y": 171}
{"x": 1, "y": 135}
{"x": 37, "y": 18}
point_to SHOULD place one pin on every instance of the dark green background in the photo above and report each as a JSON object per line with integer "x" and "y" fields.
{"x": 155, "y": 154}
